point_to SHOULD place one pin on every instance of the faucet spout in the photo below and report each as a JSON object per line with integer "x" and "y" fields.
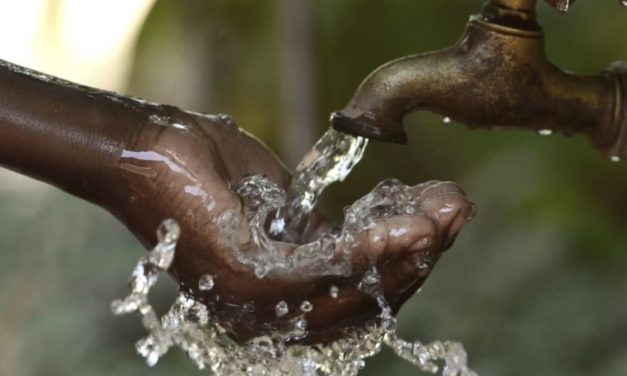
{"x": 495, "y": 76}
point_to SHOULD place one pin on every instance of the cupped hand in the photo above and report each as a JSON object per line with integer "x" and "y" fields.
{"x": 186, "y": 168}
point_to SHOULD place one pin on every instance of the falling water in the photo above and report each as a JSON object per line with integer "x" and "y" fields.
{"x": 190, "y": 325}
{"x": 330, "y": 160}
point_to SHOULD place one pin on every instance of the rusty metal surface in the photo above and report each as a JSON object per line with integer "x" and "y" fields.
{"x": 495, "y": 76}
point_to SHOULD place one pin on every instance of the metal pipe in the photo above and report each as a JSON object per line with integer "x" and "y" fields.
{"x": 495, "y": 76}
{"x": 521, "y": 5}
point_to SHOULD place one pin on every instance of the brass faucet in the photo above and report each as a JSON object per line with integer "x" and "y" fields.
{"x": 495, "y": 76}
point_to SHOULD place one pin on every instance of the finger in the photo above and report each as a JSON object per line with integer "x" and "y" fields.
{"x": 446, "y": 204}
{"x": 446, "y": 207}
{"x": 393, "y": 237}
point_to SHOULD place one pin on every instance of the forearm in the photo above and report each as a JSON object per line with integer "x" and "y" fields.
{"x": 141, "y": 161}
{"x": 66, "y": 135}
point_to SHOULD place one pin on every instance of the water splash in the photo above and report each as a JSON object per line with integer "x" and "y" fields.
{"x": 425, "y": 357}
{"x": 326, "y": 255}
{"x": 388, "y": 198}
{"x": 146, "y": 271}
{"x": 206, "y": 282}
{"x": 189, "y": 324}
{"x": 330, "y": 160}
{"x": 261, "y": 196}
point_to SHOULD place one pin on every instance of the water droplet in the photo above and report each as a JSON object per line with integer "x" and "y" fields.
{"x": 309, "y": 367}
{"x": 198, "y": 314}
{"x": 299, "y": 328}
{"x": 168, "y": 121}
{"x": 261, "y": 271}
{"x": 388, "y": 322}
{"x": 206, "y": 282}
{"x": 370, "y": 283}
{"x": 179, "y": 126}
{"x": 149, "y": 350}
{"x": 281, "y": 308}
{"x": 446, "y": 120}
{"x": 277, "y": 226}
{"x": 545, "y": 132}
{"x": 168, "y": 231}
{"x": 334, "y": 291}
{"x": 563, "y": 6}
{"x": 616, "y": 158}
{"x": 226, "y": 119}
{"x": 159, "y": 120}
{"x": 371, "y": 277}
{"x": 306, "y": 306}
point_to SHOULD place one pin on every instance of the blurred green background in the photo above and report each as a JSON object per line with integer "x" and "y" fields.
{"x": 535, "y": 285}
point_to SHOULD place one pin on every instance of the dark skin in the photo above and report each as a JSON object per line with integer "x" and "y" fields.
{"x": 145, "y": 163}
{"x": 215, "y": 157}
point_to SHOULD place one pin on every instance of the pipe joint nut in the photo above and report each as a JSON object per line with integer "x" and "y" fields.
{"x": 618, "y": 150}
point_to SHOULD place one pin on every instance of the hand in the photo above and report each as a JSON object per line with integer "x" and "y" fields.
{"x": 145, "y": 163}
{"x": 187, "y": 171}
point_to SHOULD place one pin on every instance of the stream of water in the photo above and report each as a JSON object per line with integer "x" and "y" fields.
{"x": 330, "y": 160}
{"x": 190, "y": 326}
